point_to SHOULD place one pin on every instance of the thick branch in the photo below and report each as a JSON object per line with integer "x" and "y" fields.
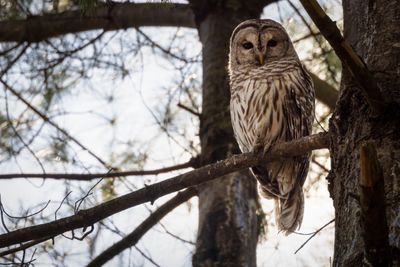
{"x": 91, "y": 176}
{"x": 347, "y": 55}
{"x": 325, "y": 92}
{"x": 131, "y": 239}
{"x": 86, "y": 218}
{"x": 108, "y": 17}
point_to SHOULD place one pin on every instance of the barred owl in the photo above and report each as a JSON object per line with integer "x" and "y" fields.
{"x": 272, "y": 100}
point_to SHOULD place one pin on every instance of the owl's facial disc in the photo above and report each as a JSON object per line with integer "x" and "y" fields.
{"x": 274, "y": 42}
{"x": 260, "y": 47}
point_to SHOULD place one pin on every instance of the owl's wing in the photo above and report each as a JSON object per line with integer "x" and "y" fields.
{"x": 307, "y": 103}
{"x": 299, "y": 113}
{"x": 298, "y": 108}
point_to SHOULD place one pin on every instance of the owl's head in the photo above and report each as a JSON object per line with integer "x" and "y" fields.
{"x": 257, "y": 42}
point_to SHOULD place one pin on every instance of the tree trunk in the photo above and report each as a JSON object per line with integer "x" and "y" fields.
{"x": 372, "y": 28}
{"x": 227, "y": 233}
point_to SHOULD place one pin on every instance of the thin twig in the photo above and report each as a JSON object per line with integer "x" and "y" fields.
{"x": 26, "y": 145}
{"x": 189, "y": 110}
{"x": 319, "y": 165}
{"x": 24, "y": 246}
{"x": 46, "y": 119}
{"x": 309, "y": 35}
{"x": 14, "y": 60}
{"x": 166, "y": 51}
{"x": 176, "y": 236}
{"x": 314, "y": 234}
{"x": 147, "y": 257}
{"x": 91, "y": 176}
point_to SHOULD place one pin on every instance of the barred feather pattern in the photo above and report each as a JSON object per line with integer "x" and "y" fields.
{"x": 272, "y": 103}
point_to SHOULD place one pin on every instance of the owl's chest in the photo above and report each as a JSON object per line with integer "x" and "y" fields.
{"x": 257, "y": 110}
{"x": 255, "y": 99}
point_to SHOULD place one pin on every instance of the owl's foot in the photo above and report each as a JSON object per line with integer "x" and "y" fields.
{"x": 258, "y": 148}
{"x": 265, "y": 151}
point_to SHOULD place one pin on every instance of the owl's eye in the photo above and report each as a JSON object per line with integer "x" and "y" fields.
{"x": 272, "y": 43}
{"x": 247, "y": 45}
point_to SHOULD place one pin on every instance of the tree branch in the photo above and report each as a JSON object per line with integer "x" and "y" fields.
{"x": 347, "y": 55}
{"x": 86, "y": 218}
{"x": 90, "y": 176}
{"x": 111, "y": 16}
{"x": 131, "y": 239}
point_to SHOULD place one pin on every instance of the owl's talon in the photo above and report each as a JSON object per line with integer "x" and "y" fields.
{"x": 258, "y": 148}
{"x": 265, "y": 150}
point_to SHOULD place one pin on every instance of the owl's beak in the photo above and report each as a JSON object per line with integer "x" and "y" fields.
{"x": 261, "y": 58}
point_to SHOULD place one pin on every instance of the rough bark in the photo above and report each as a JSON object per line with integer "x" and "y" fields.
{"x": 227, "y": 233}
{"x": 372, "y": 29}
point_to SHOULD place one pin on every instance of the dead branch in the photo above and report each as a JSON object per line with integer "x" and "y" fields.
{"x": 91, "y": 176}
{"x": 131, "y": 239}
{"x": 347, "y": 55}
{"x": 372, "y": 201}
{"x": 114, "y": 16}
{"x": 86, "y": 218}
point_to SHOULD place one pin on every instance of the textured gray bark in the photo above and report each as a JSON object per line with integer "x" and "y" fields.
{"x": 372, "y": 28}
{"x": 227, "y": 233}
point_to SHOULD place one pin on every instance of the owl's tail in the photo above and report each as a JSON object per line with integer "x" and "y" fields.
{"x": 289, "y": 212}
{"x": 288, "y": 193}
